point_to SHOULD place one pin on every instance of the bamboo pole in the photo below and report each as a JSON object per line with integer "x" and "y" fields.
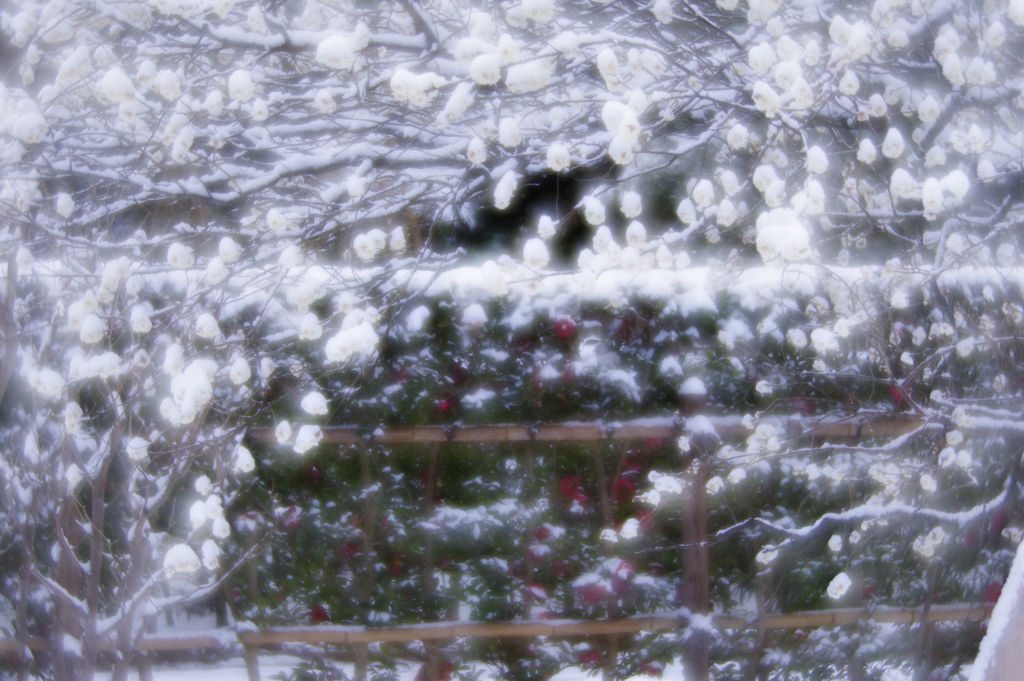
{"x": 926, "y": 637}
{"x": 252, "y": 661}
{"x": 956, "y": 612}
{"x": 562, "y": 628}
{"x": 695, "y": 557}
{"x": 433, "y": 665}
{"x": 145, "y": 663}
{"x": 611, "y": 653}
{"x": 364, "y": 572}
{"x": 593, "y": 431}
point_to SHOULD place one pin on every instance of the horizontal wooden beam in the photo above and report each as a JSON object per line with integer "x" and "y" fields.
{"x": 443, "y": 630}
{"x": 147, "y": 644}
{"x": 594, "y": 431}
{"x": 168, "y": 643}
{"x": 427, "y": 632}
{"x": 831, "y": 618}
{"x": 10, "y": 645}
{"x": 424, "y": 632}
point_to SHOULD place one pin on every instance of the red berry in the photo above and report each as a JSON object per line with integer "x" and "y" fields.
{"x": 592, "y": 593}
{"x": 993, "y": 591}
{"x": 805, "y": 406}
{"x": 999, "y": 520}
{"x": 443, "y": 405}
{"x": 971, "y": 538}
{"x": 569, "y": 484}
{"x": 896, "y": 394}
{"x": 589, "y": 657}
{"x": 624, "y": 488}
{"x": 651, "y": 668}
{"x": 318, "y": 614}
{"x": 542, "y": 533}
{"x": 292, "y": 517}
{"x": 458, "y": 373}
{"x": 522, "y": 345}
{"x": 564, "y": 328}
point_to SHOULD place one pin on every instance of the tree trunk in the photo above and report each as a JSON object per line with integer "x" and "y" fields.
{"x": 97, "y": 513}
{"x": 25, "y": 658}
{"x": 927, "y": 632}
{"x": 66, "y": 619}
{"x": 140, "y": 552}
{"x": 8, "y": 324}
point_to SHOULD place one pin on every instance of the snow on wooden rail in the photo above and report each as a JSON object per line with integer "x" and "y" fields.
{"x": 149, "y": 644}
{"x": 558, "y": 628}
{"x": 593, "y": 431}
{"x": 337, "y": 634}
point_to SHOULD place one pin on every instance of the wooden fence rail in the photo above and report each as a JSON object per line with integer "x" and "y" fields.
{"x": 594, "y": 431}
{"x": 149, "y": 644}
{"x": 251, "y": 641}
{"x": 557, "y": 628}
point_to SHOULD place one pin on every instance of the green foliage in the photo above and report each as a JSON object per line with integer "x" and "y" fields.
{"x": 315, "y": 669}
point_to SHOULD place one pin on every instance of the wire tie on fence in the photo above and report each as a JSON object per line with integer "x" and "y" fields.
{"x": 607, "y": 431}
{"x": 449, "y": 431}
{"x": 532, "y": 430}
{"x": 678, "y": 424}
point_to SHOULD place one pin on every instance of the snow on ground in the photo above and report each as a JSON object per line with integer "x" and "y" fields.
{"x": 229, "y": 670}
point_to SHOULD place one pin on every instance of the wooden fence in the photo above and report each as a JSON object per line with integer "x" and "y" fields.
{"x": 694, "y": 552}
{"x": 695, "y": 535}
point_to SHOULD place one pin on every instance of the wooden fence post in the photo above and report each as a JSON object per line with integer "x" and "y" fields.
{"x": 145, "y": 662}
{"x": 611, "y": 654}
{"x": 696, "y": 594}
{"x": 528, "y": 538}
{"x": 429, "y": 587}
{"x": 926, "y": 636}
{"x": 365, "y": 579}
{"x": 252, "y": 661}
